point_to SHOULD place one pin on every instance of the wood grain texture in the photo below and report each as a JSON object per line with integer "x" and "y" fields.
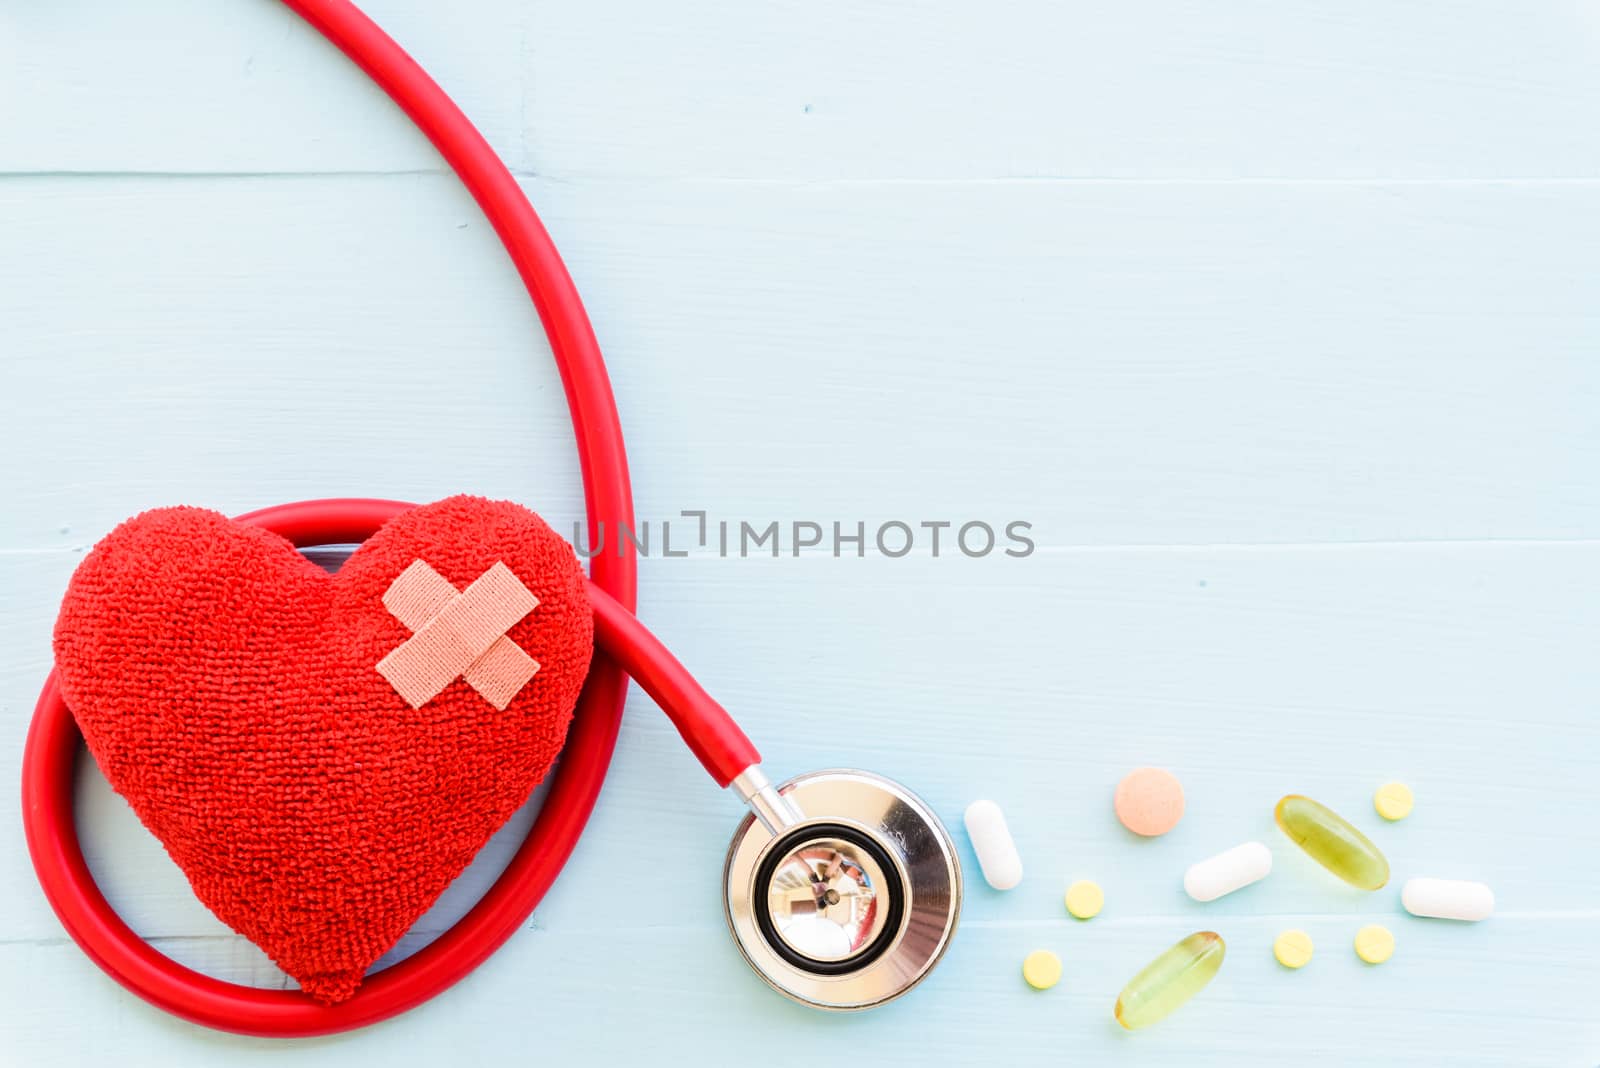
{"x": 892, "y": 90}
{"x": 1164, "y": 364}
{"x": 1277, "y": 322}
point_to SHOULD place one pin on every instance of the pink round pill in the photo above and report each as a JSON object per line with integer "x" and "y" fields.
{"x": 1149, "y": 801}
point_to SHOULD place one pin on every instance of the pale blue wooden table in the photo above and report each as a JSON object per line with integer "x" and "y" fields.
{"x": 1279, "y": 322}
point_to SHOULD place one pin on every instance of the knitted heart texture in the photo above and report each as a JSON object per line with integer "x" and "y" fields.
{"x": 231, "y": 690}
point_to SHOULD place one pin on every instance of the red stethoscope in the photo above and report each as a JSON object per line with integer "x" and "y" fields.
{"x": 841, "y": 888}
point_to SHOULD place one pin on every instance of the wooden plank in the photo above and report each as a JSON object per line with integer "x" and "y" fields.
{"x": 1160, "y": 88}
{"x": 1252, "y": 673}
{"x": 1161, "y": 364}
{"x": 666, "y": 992}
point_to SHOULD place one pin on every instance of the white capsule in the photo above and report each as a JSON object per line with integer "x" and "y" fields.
{"x": 1227, "y": 872}
{"x": 1447, "y": 899}
{"x": 991, "y": 840}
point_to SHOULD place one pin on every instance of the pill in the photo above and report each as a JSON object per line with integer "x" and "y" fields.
{"x": 1228, "y": 871}
{"x": 1171, "y": 979}
{"x": 992, "y": 841}
{"x": 1393, "y": 801}
{"x": 1293, "y": 949}
{"x": 1149, "y": 801}
{"x": 1085, "y": 899}
{"x": 1041, "y": 969}
{"x": 1330, "y": 840}
{"x": 1374, "y": 944}
{"x": 1447, "y": 899}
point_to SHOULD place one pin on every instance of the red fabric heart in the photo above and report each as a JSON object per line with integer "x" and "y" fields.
{"x": 227, "y": 688}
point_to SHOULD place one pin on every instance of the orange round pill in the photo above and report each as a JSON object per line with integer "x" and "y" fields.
{"x": 1149, "y": 801}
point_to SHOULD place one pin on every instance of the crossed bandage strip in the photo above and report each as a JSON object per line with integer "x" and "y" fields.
{"x": 458, "y": 633}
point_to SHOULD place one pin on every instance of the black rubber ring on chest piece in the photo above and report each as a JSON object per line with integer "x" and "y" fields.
{"x": 893, "y": 886}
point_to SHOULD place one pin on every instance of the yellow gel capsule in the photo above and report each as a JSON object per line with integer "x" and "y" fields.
{"x": 1041, "y": 969}
{"x": 1171, "y": 979}
{"x": 1330, "y": 840}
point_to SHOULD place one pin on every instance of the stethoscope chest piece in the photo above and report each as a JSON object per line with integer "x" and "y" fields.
{"x": 852, "y": 905}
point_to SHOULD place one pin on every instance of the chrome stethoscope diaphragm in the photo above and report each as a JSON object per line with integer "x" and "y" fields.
{"x": 841, "y": 888}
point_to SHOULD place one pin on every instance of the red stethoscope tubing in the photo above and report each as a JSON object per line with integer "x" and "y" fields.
{"x": 54, "y": 743}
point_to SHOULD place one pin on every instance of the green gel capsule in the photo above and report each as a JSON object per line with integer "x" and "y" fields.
{"x": 1331, "y": 841}
{"x": 1171, "y": 979}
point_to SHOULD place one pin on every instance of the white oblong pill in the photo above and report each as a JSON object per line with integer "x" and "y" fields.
{"x": 1447, "y": 899}
{"x": 1227, "y": 872}
{"x": 992, "y": 841}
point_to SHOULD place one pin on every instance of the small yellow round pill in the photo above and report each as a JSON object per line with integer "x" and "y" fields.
{"x": 1393, "y": 800}
{"x": 1293, "y": 949}
{"x": 1042, "y": 969}
{"x": 1374, "y": 944}
{"x": 1085, "y": 899}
